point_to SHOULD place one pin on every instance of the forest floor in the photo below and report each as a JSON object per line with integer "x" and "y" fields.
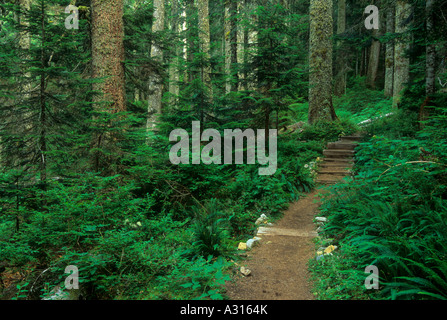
{"x": 278, "y": 264}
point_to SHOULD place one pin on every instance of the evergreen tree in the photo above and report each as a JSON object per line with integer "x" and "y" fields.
{"x": 320, "y": 62}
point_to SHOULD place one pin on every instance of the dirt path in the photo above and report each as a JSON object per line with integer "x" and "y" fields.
{"x": 278, "y": 263}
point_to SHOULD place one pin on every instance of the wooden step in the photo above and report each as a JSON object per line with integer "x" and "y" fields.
{"x": 335, "y": 164}
{"x": 329, "y": 179}
{"x": 341, "y": 145}
{"x": 338, "y": 160}
{"x": 350, "y": 138}
{"x": 334, "y": 153}
{"x": 334, "y": 171}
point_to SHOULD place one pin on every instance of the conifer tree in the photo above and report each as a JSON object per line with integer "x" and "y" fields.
{"x": 320, "y": 61}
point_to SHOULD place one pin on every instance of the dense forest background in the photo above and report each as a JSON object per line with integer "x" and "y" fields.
{"x": 86, "y": 114}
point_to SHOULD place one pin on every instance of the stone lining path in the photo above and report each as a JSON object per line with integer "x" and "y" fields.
{"x": 278, "y": 264}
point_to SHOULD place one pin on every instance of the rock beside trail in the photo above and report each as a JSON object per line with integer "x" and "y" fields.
{"x": 245, "y": 271}
{"x": 321, "y": 252}
{"x": 261, "y": 220}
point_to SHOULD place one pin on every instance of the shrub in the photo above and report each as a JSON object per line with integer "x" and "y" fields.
{"x": 392, "y": 215}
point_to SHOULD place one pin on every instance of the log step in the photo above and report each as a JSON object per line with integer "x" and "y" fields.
{"x": 341, "y": 146}
{"x": 335, "y": 171}
{"x": 350, "y": 138}
{"x": 333, "y": 153}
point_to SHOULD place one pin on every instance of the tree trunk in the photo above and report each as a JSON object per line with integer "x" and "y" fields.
{"x": 174, "y": 76}
{"x": 320, "y": 62}
{"x": 401, "y": 61}
{"x": 430, "y": 51}
{"x": 341, "y": 65}
{"x": 42, "y": 100}
{"x": 251, "y": 42}
{"x": 204, "y": 44}
{"x": 374, "y": 58}
{"x": 107, "y": 65}
{"x": 241, "y": 40}
{"x": 389, "y": 53}
{"x": 191, "y": 35}
{"x": 227, "y": 31}
{"x": 430, "y": 57}
{"x": 230, "y": 45}
{"x": 108, "y": 53}
{"x": 156, "y": 80}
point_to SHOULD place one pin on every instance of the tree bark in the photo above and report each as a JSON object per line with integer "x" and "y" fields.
{"x": 374, "y": 59}
{"x": 43, "y": 109}
{"x": 191, "y": 44}
{"x": 156, "y": 80}
{"x": 389, "y": 53}
{"x": 430, "y": 51}
{"x": 230, "y": 45}
{"x": 204, "y": 44}
{"x": 241, "y": 47}
{"x": 401, "y": 61}
{"x": 320, "y": 62}
{"x": 341, "y": 64}
{"x": 251, "y": 38}
{"x": 174, "y": 75}
{"x": 107, "y": 65}
{"x": 108, "y": 53}
{"x": 430, "y": 57}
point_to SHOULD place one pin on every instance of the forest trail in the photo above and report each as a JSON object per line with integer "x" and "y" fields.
{"x": 278, "y": 264}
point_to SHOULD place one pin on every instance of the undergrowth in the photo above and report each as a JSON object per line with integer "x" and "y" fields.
{"x": 392, "y": 214}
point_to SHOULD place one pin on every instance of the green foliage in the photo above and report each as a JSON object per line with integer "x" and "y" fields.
{"x": 138, "y": 227}
{"x": 361, "y": 103}
{"x": 328, "y": 131}
{"x": 399, "y": 125}
{"x": 210, "y": 231}
{"x": 392, "y": 215}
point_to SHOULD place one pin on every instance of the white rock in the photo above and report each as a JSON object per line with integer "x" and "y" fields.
{"x": 262, "y": 230}
{"x": 262, "y": 219}
{"x": 245, "y": 271}
{"x": 321, "y": 219}
{"x": 251, "y": 242}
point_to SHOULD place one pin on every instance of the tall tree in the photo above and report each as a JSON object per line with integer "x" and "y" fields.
{"x": 430, "y": 62}
{"x": 108, "y": 53}
{"x": 230, "y": 45}
{"x": 174, "y": 72}
{"x": 430, "y": 86}
{"x": 389, "y": 51}
{"x": 241, "y": 43}
{"x": 401, "y": 60}
{"x": 156, "y": 79}
{"x": 204, "y": 44}
{"x": 341, "y": 63}
{"x": 191, "y": 36}
{"x": 320, "y": 61}
{"x": 107, "y": 65}
{"x": 374, "y": 59}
